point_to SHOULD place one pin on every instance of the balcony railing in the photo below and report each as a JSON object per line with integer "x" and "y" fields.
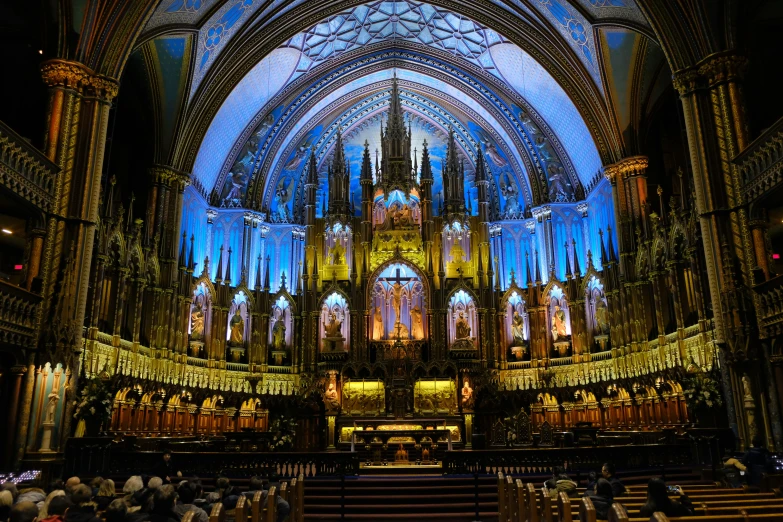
{"x": 25, "y": 171}
{"x": 18, "y": 309}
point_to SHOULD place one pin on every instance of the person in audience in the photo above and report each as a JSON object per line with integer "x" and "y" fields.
{"x": 140, "y": 505}
{"x": 658, "y": 500}
{"x": 23, "y": 512}
{"x": 608, "y": 472}
{"x": 34, "y": 495}
{"x": 592, "y": 478}
{"x": 164, "y": 499}
{"x": 602, "y": 497}
{"x": 257, "y": 484}
{"x": 187, "y": 493}
{"x": 756, "y": 460}
{"x": 83, "y": 510}
{"x": 95, "y": 485}
{"x": 43, "y": 512}
{"x": 556, "y": 472}
{"x": 6, "y": 501}
{"x": 57, "y": 485}
{"x": 155, "y": 483}
{"x": 56, "y": 508}
{"x": 165, "y": 468}
{"x": 71, "y": 483}
{"x": 226, "y": 493}
{"x": 116, "y": 511}
{"x": 105, "y": 495}
{"x": 11, "y": 488}
{"x": 565, "y": 484}
{"x": 132, "y": 485}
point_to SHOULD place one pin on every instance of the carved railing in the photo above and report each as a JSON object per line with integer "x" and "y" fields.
{"x": 540, "y": 460}
{"x": 769, "y": 298}
{"x": 101, "y": 456}
{"x": 761, "y": 163}
{"x": 18, "y": 309}
{"x": 25, "y": 171}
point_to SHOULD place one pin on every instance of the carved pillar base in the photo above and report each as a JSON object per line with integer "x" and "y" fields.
{"x": 330, "y": 421}
{"x": 46, "y": 438}
{"x": 468, "y": 431}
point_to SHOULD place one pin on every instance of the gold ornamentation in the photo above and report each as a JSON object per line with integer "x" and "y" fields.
{"x": 73, "y": 75}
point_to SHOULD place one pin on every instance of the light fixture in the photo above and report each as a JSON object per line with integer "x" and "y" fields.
{"x": 40, "y": 51}
{"x": 6, "y": 231}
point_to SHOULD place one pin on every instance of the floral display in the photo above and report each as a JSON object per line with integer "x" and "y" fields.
{"x": 95, "y": 402}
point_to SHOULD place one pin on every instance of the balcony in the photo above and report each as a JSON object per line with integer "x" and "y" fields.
{"x": 25, "y": 171}
{"x": 18, "y": 315}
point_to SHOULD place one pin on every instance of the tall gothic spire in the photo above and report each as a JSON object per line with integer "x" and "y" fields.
{"x": 339, "y": 184}
{"x": 454, "y": 181}
{"x": 396, "y": 165}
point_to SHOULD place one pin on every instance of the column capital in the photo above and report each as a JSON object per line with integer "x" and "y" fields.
{"x": 723, "y": 67}
{"x": 686, "y": 81}
{"x": 631, "y": 167}
{"x": 79, "y": 77}
{"x": 169, "y": 176}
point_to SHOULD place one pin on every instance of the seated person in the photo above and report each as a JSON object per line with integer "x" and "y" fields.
{"x": 608, "y": 472}
{"x": 564, "y": 483}
{"x": 164, "y": 499}
{"x": 257, "y": 484}
{"x": 658, "y": 500}
{"x": 24, "y": 511}
{"x": 188, "y": 492}
{"x": 55, "y": 510}
{"x": 83, "y": 509}
{"x": 602, "y": 498}
{"x": 116, "y": 511}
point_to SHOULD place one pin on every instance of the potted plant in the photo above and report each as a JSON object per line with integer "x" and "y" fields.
{"x": 283, "y": 429}
{"x": 702, "y": 395}
{"x": 94, "y": 406}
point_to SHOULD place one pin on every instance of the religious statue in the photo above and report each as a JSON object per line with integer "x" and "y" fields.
{"x": 237, "y": 182}
{"x": 332, "y": 329}
{"x": 51, "y": 407}
{"x": 467, "y": 395}
{"x": 331, "y": 399}
{"x": 746, "y": 389}
{"x": 283, "y": 194}
{"x": 457, "y": 253}
{"x": 558, "y": 324}
{"x": 397, "y": 290}
{"x": 401, "y": 455}
{"x": 463, "y": 328}
{"x": 559, "y": 187}
{"x": 403, "y": 216}
{"x": 278, "y": 335}
{"x": 377, "y": 324}
{"x": 602, "y": 316}
{"x": 518, "y": 330}
{"x": 337, "y": 253}
{"x": 417, "y": 328}
{"x": 197, "y": 323}
{"x": 237, "y": 327}
{"x": 509, "y": 191}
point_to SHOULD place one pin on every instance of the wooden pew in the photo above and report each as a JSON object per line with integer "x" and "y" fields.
{"x": 522, "y": 506}
{"x": 617, "y": 513}
{"x": 283, "y": 493}
{"x": 564, "y": 508}
{"x": 270, "y": 511}
{"x": 255, "y": 506}
{"x": 188, "y": 517}
{"x": 532, "y": 504}
{"x": 502, "y": 506}
{"x": 218, "y": 514}
{"x": 546, "y": 505}
{"x": 587, "y": 510}
{"x": 660, "y": 517}
{"x": 299, "y": 499}
{"x": 292, "y": 493}
{"x": 241, "y": 512}
{"x": 511, "y": 499}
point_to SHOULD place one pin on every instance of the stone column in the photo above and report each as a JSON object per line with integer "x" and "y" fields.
{"x": 17, "y": 373}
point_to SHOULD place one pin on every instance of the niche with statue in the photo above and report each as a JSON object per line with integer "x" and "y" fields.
{"x": 559, "y": 321}
{"x": 334, "y": 324}
{"x": 280, "y": 329}
{"x": 238, "y": 326}
{"x": 200, "y": 318}
{"x": 462, "y": 322}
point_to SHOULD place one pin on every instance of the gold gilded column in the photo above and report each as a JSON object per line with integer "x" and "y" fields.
{"x": 77, "y": 119}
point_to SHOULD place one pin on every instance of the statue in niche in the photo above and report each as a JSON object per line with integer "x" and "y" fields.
{"x": 278, "y": 335}
{"x": 746, "y": 388}
{"x": 518, "y": 330}
{"x": 332, "y": 328}
{"x": 337, "y": 253}
{"x": 509, "y": 190}
{"x": 403, "y": 216}
{"x": 558, "y": 324}
{"x": 401, "y": 455}
{"x": 602, "y": 316}
{"x": 237, "y": 326}
{"x": 237, "y": 182}
{"x": 331, "y": 399}
{"x": 197, "y": 323}
{"x": 559, "y": 187}
{"x": 51, "y": 407}
{"x": 283, "y": 194}
{"x": 463, "y": 328}
{"x": 417, "y": 327}
{"x": 397, "y": 290}
{"x": 377, "y": 324}
{"x": 457, "y": 253}
{"x": 467, "y": 395}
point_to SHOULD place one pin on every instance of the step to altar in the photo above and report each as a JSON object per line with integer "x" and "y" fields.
{"x": 397, "y": 469}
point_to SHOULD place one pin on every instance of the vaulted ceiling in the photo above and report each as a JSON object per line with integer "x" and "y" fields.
{"x": 242, "y": 89}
